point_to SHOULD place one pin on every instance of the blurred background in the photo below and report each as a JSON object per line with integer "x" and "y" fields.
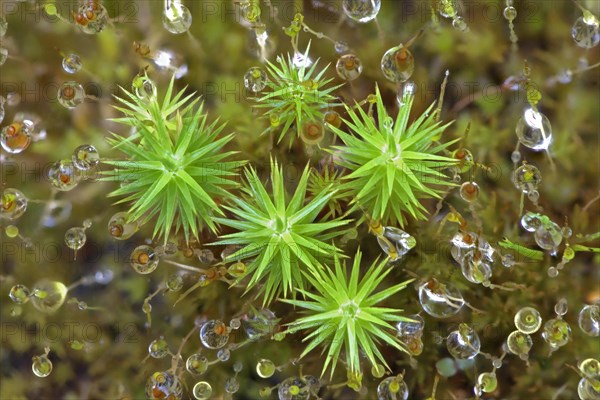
{"x": 211, "y": 59}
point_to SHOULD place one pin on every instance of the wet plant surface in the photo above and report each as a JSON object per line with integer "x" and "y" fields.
{"x": 353, "y": 199}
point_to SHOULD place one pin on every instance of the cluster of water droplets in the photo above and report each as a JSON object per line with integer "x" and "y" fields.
{"x": 547, "y": 234}
{"x": 410, "y": 332}
{"x": 474, "y": 255}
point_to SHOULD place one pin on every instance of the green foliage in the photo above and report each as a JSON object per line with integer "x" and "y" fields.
{"x": 175, "y": 164}
{"x": 344, "y": 314}
{"x": 295, "y": 94}
{"x": 282, "y": 234}
{"x": 329, "y": 178}
{"x": 393, "y": 164}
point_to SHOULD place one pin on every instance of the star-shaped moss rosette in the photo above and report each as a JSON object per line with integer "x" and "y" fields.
{"x": 296, "y": 95}
{"x": 175, "y": 168}
{"x": 282, "y": 235}
{"x": 393, "y": 164}
{"x": 343, "y": 314}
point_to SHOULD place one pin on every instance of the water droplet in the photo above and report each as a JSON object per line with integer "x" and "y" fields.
{"x": 447, "y": 8}
{"x": 590, "y": 366}
{"x": 196, "y": 364}
{"x": 177, "y": 18}
{"x": 548, "y": 236}
{"x": 202, "y": 390}
{"x": 259, "y": 324}
{"x": 377, "y": 370}
{"x": 16, "y": 137}
{"x": 223, "y": 355}
{"x": 158, "y": 348}
{"x": 71, "y": 63}
{"x": 463, "y": 343}
{"x": 349, "y": 67}
{"x": 440, "y": 300}
{"x": 585, "y": 388}
{"x": 566, "y": 232}
{"x": 392, "y": 388}
{"x": 459, "y": 24}
{"x": 476, "y": 270}
{"x": 235, "y": 323}
{"x": 3, "y": 55}
{"x": 301, "y": 60}
{"x": 515, "y": 156}
{"x": 265, "y": 392}
{"x": 236, "y": 269}
{"x": 534, "y": 130}
{"x": 533, "y": 196}
{"x": 238, "y": 367}
{"x": 510, "y": 13}
{"x": 3, "y": 26}
{"x": 508, "y": 260}
{"x": 586, "y": 34}
{"x": 341, "y": 47}
{"x": 251, "y": 12}
{"x": 469, "y": 191}
{"x": 294, "y": 388}
{"x": 48, "y": 296}
{"x": 71, "y": 94}
{"x": 19, "y": 294}
{"x": 527, "y": 178}
{"x": 487, "y": 382}
{"x": 13, "y": 204}
{"x": 556, "y": 332}
{"x": 265, "y": 368}
{"x": 395, "y": 242}
{"x": 589, "y": 320}
{"x": 171, "y": 62}
{"x": 11, "y": 231}
{"x": 312, "y": 132}
{"x": 531, "y": 221}
{"x": 63, "y": 175}
{"x": 519, "y": 343}
{"x": 164, "y": 385}
{"x": 255, "y": 79}
{"x": 411, "y": 328}
{"x": 361, "y": 10}
{"x": 119, "y": 228}
{"x": 144, "y": 87}
{"x": 332, "y": 118}
{"x": 398, "y": 64}
{"x": 232, "y": 385}
{"x": 174, "y": 282}
{"x": 41, "y": 366}
{"x": 75, "y": 238}
{"x": 214, "y": 334}
{"x": 85, "y": 157}
{"x": 143, "y": 259}
{"x": 528, "y": 320}
{"x": 561, "y": 307}
{"x": 91, "y": 17}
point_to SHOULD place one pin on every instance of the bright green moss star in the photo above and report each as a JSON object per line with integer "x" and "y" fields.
{"x": 393, "y": 164}
{"x": 281, "y": 234}
{"x": 175, "y": 168}
{"x": 343, "y": 314}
